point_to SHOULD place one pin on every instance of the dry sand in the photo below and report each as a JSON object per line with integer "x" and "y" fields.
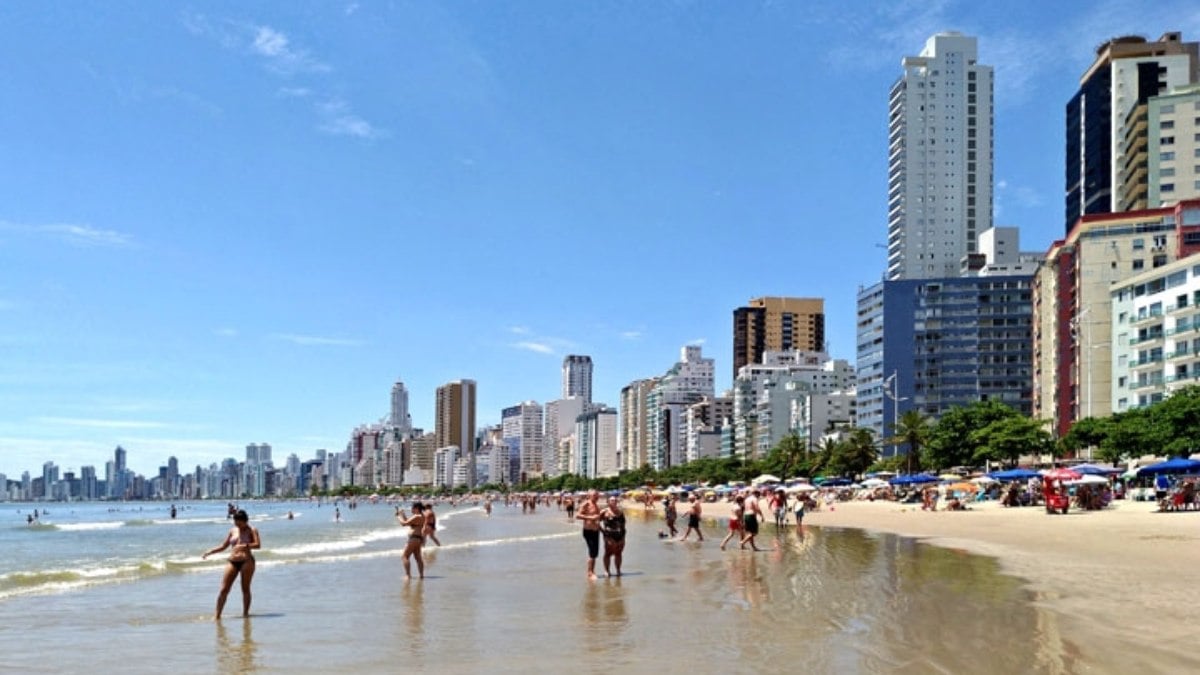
{"x": 1116, "y": 583}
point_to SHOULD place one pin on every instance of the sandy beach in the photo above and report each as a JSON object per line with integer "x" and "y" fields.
{"x": 1113, "y": 580}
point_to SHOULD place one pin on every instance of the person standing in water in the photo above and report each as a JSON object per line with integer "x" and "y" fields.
{"x": 612, "y": 525}
{"x": 753, "y": 514}
{"x": 243, "y": 539}
{"x": 416, "y": 538}
{"x": 430, "y": 525}
{"x": 693, "y": 518}
{"x": 589, "y": 513}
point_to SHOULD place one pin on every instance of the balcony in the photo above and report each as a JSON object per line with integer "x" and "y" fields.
{"x": 1182, "y": 353}
{"x": 1147, "y": 318}
{"x": 1157, "y": 337}
{"x": 1148, "y": 383}
{"x": 1145, "y": 362}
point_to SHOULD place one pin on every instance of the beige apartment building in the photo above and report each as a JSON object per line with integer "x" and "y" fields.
{"x": 777, "y": 324}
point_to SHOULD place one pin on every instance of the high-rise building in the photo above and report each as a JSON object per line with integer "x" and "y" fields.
{"x": 522, "y": 433}
{"x": 777, "y": 324}
{"x": 596, "y": 451}
{"x": 455, "y": 424}
{"x": 399, "y": 417}
{"x": 939, "y": 159}
{"x": 560, "y": 423}
{"x": 634, "y": 416}
{"x": 1128, "y": 72}
{"x": 577, "y": 377}
{"x": 1073, "y": 350}
{"x": 689, "y": 381}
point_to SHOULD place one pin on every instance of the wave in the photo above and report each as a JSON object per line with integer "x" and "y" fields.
{"x": 88, "y": 527}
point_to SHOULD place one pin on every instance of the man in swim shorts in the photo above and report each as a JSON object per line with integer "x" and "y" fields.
{"x": 693, "y": 518}
{"x": 589, "y": 513}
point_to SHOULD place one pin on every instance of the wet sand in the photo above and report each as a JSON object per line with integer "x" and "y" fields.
{"x": 1117, "y": 579}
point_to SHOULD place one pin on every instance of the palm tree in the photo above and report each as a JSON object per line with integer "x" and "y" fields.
{"x": 912, "y": 430}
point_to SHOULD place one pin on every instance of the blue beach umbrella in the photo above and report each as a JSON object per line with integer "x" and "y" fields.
{"x": 1173, "y": 465}
{"x": 914, "y": 479}
{"x": 1015, "y": 474}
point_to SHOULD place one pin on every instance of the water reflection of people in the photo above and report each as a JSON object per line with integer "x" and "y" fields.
{"x": 236, "y": 658}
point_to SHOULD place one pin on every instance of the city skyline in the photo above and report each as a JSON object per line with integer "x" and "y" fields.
{"x": 233, "y": 226}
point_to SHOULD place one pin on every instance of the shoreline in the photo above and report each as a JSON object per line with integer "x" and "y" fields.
{"x": 1112, "y": 580}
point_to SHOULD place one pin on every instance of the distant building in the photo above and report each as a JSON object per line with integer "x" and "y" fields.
{"x": 455, "y": 424}
{"x": 777, "y": 324}
{"x": 939, "y": 159}
{"x": 577, "y": 377}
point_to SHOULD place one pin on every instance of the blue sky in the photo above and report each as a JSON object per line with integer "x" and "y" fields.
{"x": 227, "y": 223}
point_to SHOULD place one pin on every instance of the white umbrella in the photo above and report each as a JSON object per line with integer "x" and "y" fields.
{"x": 873, "y": 483}
{"x": 983, "y": 480}
{"x": 802, "y": 487}
{"x": 765, "y": 478}
{"x": 1089, "y": 479}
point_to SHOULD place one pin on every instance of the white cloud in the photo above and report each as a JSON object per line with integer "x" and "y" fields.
{"x": 519, "y": 330}
{"x": 351, "y": 8}
{"x": 538, "y": 347}
{"x": 339, "y": 120}
{"x": 316, "y": 341}
{"x": 698, "y": 341}
{"x": 75, "y": 235}
{"x": 275, "y": 47}
{"x": 96, "y": 423}
{"x": 631, "y": 335}
{"x": 226, "y": 332}
{"x": 295, "y": 92}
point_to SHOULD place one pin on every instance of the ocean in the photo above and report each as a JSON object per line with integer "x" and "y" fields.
{"x": 111, "y": 587}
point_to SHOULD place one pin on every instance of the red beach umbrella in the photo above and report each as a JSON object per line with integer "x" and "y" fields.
{"x": 1062, "y": 474}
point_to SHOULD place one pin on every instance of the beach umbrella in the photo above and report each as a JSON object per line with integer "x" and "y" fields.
{"x": 1066, "y": 474}
{"x": 1089, "y": 479}
{"x": 1094, "y": 470}
{"x": 983, "y": 480}
{"x": 802, "y": 487}
{"x": 765, "y": 478}
{"x": 913, "y": 479}
{"x": 963, "y": 487}
{"x": 949, "y": 476}
{"x": 873, "y": 483}
{"x": 1015, "y": 474}
{"x": 836, "y": 482}
{"x": 1173, "y": 465}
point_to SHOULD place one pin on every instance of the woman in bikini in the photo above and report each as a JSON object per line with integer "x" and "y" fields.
{"x": 735, "y": 521}
{"x": 243, "y": 539}
{"x": 430, "y": 525}
{"x": 612, "y": 526}
{"x": 416, "y": 538}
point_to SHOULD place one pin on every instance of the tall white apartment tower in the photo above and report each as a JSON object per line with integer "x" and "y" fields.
{"x": 577, "y": 377}
{"x": 399, "y": 415}
{"x": 939, "y": 159}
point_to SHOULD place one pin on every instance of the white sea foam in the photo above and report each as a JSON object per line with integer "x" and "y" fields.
{"x": 87, "y": 527}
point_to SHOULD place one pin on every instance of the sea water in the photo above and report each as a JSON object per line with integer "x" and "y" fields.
{"x": 109, "y": 587}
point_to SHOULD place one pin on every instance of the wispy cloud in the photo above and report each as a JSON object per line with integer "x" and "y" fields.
{"x": 75, "y": 235}
{"x": 538, "y": 347}
{"x": 698, "y": 341}
{"x": 631, "y": 335}
{"x": 339, "y": 120}
{"x": 351, "y": 8}
{"x": 225, "y": 332}
{"x": 295, "y": 92}
{"x": 280, "y": 55}
{"x": 519, "y": 330}
{"x": 96, "y": 423}
{"x": 316, "y": 341}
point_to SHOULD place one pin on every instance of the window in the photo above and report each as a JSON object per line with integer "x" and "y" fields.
{"x": 1139, "y": 264}
{"x": 1167, "y": 172}
{"x": 1166, "y": 156}
{"x": 1139, "y": 244}
{"x": 1169, "y": 108}
{"x": 1167, "y": 140}
{"x": 1167, "y": 187}
{"x": 1166, "y": 124}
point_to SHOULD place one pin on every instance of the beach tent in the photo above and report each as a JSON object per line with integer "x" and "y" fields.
{"x": 1014, "y": 474}
{"x": 1173, "y": 465}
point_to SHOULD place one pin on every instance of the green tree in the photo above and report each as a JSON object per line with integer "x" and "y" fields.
{"x": 953, "y": 441}
{"x": 786, "y": 458}
{"x": 1006, "y": 439}
{"x": 858, "y": 452}
{"x": 912, "y": 430}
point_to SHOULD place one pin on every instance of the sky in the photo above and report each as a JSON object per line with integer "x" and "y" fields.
{"x": 240, "y": 222}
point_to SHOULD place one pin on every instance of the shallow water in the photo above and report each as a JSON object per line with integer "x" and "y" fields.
{"x": 505, "y": 593}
